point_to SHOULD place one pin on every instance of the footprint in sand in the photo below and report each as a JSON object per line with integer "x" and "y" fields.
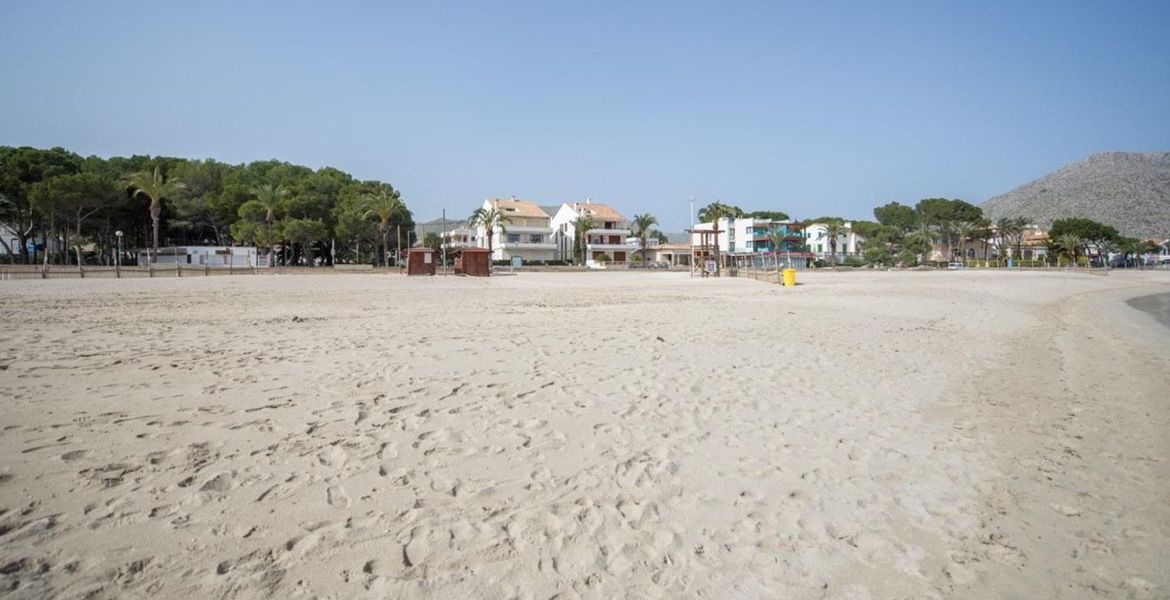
{"x": 337, "y": 497}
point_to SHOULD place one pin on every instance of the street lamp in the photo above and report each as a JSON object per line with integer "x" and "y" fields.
{"x": 118, "y": 259}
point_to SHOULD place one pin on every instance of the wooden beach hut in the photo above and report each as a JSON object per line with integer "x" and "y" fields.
{"x": 420, "y": 261}
{"x": 475, "y": 262}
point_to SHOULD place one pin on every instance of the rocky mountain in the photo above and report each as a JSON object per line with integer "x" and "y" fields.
{"x": 1128, "y": 190}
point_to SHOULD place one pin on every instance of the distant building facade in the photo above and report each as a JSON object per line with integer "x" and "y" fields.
{"x": 608, "y": 240}
{"x": 849, "y": 242}
{"x": 524, "y": 231}
{"x": 210, "y": 256}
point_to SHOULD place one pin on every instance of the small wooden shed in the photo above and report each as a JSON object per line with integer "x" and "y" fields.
{"x": 475, "y": 262}
{"x": 420, "y": 261}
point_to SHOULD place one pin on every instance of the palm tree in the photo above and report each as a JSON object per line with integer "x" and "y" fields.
{"x": 1132, "y": 246}
{"x": 833, "y": 230}
{"x": 920, "y": 243}
{"x": 385, "y": 205}
{"x": 269, "y": 198}
{"x": 964, "y": 229}
{"x": 1104, "y": 247}
{"x": 1019, "y": 224}
{"x": 776, "y": 239}
{"x": 1008, "y": 230}
{"x": 155, "y": 187}
{"x": 643, "y": 224}
{"x": 491, "y": 218}
{"x": 718, "y": 210}
{"x": 1070, "y": 245}
{"x": 714, "y": 212}
{"x": 581, "y": 226}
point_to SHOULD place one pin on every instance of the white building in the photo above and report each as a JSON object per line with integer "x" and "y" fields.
{"x": 746, "y": 235}
{"x": 523, "y": 231}
{"x": 211, "y": 256}
{"x": 848, "y": 242}
{"x": 460, "y": 238}
{"x": 11, "y": 243}
{"x": 608, "y": 240}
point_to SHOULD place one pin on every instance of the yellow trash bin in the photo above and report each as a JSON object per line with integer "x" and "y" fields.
{"x": 789, "y": 277}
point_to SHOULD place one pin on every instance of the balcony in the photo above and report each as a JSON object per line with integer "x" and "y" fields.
{"x": 525, "y": 229}
{"x": 627, "y": 247}
{"x": 602, "y": 231}
{"x": 527, "y": 245}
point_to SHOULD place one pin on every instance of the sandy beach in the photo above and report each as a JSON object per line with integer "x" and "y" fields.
{"x": 589, "y": 435}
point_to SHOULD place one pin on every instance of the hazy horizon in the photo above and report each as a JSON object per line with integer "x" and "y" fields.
{"x": 808, "y": 109}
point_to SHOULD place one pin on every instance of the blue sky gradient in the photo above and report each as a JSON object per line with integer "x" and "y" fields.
{"x": 812, "y": 108}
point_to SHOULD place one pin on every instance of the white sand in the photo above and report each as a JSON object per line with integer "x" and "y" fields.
{"x": 597, "y": 435}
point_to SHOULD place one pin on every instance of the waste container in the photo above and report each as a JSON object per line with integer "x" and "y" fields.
{"x": 789, "y": 277}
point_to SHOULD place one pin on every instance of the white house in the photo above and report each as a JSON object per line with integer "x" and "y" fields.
{"x": 524, "y": 231}
{"x": 609, "y": 239}
{"x": 460, "y": 237}
{"x": 211, "y": 256}
{"x": 848, "y": 241}
{"x": 746, "y": 235}
{"x": 10, "y": 243}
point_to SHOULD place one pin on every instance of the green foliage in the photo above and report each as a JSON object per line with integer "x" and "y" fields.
{"x": 581, "y": 225}
{"x": 876, "y": 234}
{"x": 771, "y": 215}
{"x": 877, "y": 255}
{"x": 825, "y": 220}
{"x": 899, "y": 217}
{"x": 643, "y": 229}
{"x": 218, "y": 203}
{"x": 719, "y": 210}
{"x": 1085, "y": 229}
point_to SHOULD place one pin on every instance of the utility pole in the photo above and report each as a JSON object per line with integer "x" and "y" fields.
{"x": 443, "y": 243}
{"x": 692, "y": 236}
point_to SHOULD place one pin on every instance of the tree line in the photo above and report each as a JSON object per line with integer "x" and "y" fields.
{"x": 908, "y": 233}
{"x": 65, "y": 208}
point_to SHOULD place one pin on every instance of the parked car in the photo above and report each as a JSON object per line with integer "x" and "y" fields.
{"x": 1120, "y": 262}
{"x": 956, "y": 265}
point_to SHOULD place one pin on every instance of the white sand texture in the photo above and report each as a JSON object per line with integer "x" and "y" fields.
{"x": 591, "y": 435}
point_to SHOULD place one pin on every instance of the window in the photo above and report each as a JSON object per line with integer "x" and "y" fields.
{"x": 536, "y": 239}
{"x": 513, "y": 238}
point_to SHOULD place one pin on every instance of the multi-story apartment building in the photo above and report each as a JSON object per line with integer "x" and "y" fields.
{"x": 524, "y": 231}
{"x": 460, "y": 237}
{"x": 744, "y": 236}
{"x": 609, "y": 239}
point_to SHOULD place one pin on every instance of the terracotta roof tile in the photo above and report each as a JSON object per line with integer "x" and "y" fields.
{"x": 511, "y": 207}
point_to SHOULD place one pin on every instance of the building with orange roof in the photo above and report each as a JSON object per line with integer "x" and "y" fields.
{"x": 608, "y": 239}
{"x": 524, "y": 231}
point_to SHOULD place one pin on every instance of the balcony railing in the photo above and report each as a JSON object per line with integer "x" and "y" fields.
{"x": 526, "y": 229}
{"x": 529, "y": 245}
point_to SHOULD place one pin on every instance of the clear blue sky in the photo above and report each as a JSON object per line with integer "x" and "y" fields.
{"x": 812, "y": 108}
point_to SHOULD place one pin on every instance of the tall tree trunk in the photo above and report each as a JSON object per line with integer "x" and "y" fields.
{"x": 155, "y": 214}
{"x": 386, "y": 246}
